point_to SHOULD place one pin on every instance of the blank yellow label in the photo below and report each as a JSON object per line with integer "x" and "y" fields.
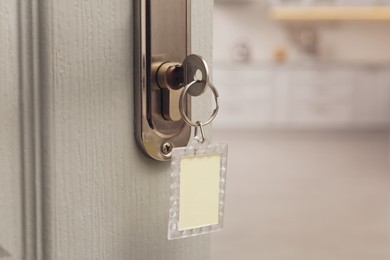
{"x": 199, "y": 191}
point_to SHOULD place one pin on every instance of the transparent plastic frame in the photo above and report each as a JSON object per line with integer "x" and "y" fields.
{"x": 195, "y": 149}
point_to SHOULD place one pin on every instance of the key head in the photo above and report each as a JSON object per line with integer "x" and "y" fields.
{"x": 195, "y": 69}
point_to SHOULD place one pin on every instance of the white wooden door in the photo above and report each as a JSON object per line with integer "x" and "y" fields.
{"x": 10, "y": 134}
{"x": 74, "y": 185}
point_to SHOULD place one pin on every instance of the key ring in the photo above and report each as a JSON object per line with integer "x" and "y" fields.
{"x": 182, "y": 100}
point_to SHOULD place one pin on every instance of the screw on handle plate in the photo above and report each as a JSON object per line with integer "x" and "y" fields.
{"x": 166, "y": 148}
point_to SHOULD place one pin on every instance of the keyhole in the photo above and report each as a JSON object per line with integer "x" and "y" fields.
{"x": 198, "y": 75}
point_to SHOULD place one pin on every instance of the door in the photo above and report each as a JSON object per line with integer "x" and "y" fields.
{"x": 74, "y": 185}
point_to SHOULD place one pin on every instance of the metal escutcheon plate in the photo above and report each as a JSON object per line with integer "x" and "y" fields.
{"x": 162, "y": 34}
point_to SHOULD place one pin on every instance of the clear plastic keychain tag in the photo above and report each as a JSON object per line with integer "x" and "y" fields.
{"x": 198, "y": 184}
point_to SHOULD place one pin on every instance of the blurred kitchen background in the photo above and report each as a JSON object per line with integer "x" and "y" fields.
{"x": 305, "y": 108}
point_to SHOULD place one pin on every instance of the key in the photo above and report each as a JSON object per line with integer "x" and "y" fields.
{"x": 173, "y": 77}
{"x": 195, "y": 68}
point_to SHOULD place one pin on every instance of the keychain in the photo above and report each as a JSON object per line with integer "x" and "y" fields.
{"x": 198, "y": 180}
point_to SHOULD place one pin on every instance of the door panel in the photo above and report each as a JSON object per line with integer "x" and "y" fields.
{"x": 10, "y": 142}
{"x": 102, "y": 199}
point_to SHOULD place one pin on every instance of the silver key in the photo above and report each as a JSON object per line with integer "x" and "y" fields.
{"x": 191, "y": 65}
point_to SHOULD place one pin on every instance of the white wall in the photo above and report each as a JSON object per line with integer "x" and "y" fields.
{"x": 346, "y": 84}
{"x": 366, "y": 42}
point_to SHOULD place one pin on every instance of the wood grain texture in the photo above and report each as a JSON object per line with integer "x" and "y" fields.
{"x": 102, "y": 198}
{"x": 201, "y": 44}
{"x": 10, "y": 143}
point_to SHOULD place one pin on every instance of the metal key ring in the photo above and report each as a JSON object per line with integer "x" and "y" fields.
{"x": 182, "y": 100}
